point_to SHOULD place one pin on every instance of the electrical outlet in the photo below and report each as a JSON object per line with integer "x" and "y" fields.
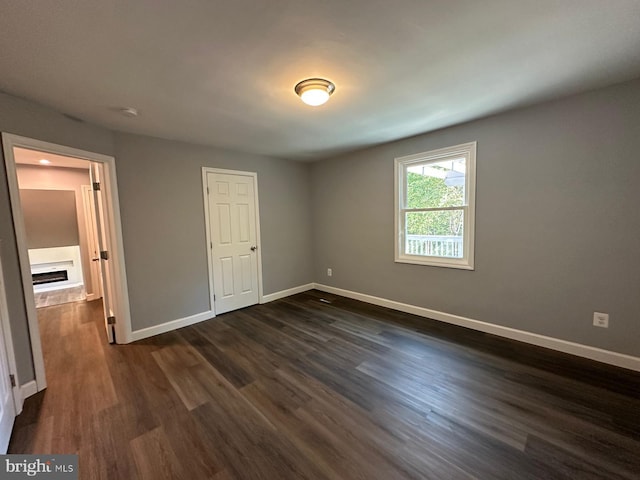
{"x": 601, "y": 320}
{"x": 329, "y": 272}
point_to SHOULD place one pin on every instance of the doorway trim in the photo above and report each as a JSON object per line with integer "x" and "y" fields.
{"x": 121, "y": 301}
{"x": 205, "y": 196}
{"x": 8, "y": 341}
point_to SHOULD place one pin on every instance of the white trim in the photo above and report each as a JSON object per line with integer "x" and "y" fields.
{"x": 207, "y": 225}
{"x": 286, "y": 293}
{"x": 23, "y": 255}
{"x": 91, "y": 297}
{"x": 586, "y": 351}
{"x": 26, "y": 390}
{"x": 466, "y": 150}
{"x": 171, "y": 325}
{"x": 205, "y": 195}
{"x": 5, "y": 328}
{"x": 258, "y": 238}
{"x": 123, "y": 326}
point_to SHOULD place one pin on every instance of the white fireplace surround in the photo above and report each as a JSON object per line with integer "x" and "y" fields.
{"x": 43, "y": 260}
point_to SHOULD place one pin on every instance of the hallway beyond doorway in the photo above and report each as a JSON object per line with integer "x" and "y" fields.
{"x": 59, "y": 297}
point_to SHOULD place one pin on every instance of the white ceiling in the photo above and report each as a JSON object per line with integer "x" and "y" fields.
{"x": 222, "y": 72}
{"x": 25, "y": 156}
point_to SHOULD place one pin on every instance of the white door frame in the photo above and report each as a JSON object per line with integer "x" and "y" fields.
{"x": 121, "y": 300}
{"x": 254, "y": 176}
{"x": 8, "y": 340}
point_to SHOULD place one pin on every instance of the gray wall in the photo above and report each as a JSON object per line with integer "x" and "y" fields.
{"x": 160, "y": 187}
{"x": 50, "y": 218}
{"x": 557, "y": 223}
{"x": 24, "y": 118}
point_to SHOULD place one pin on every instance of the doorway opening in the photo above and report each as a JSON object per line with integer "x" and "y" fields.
{"x": 67, "y": 222}
{"x": 58, "y": 210}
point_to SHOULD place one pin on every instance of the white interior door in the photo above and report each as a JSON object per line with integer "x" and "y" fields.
{"x": 233, "y": 233}
{"x": 7, "y": 405}
{"x": 92, "y": 242}
{"x": 106, "y": 274}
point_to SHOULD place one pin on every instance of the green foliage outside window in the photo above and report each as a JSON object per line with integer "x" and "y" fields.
{"x": 425, "y": 191}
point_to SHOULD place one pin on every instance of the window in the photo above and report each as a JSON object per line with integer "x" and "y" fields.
{"x": 435, "y": 207}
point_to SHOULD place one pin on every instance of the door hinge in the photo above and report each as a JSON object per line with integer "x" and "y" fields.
{"x": 111, "y": 320}
{"x": 96, "y": 186}
{"x": 211, "y": 245}
{"x": 104, "y": 255}
{"x": 214, "y": 297}
{"x": 12, "y": 378}
{"x": 207, "y": 190}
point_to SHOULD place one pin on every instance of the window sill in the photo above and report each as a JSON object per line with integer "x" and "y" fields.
{"x": 460, "y": 264}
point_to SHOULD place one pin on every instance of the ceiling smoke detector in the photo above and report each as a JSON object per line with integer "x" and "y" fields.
{"x": 314, "y": 91}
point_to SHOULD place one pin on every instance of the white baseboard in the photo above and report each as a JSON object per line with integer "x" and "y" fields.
{"x": 593, "y": 353}
{"x": 200, "y": 317}
{"x": 286, "y": 293}
{"x": 171, "y": 325}
{"x": 26, "y": 390}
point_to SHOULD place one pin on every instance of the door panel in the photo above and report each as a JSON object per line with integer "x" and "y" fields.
{"x": 246, "y": 281}
{"x": 92, "y": 241}
{"x": 243, "y": 220}
{"x": 106, "y": 275}
{"x": 227, "y": 276}
{"x": 224, "y": 224}
{"x": 232, "y": 210}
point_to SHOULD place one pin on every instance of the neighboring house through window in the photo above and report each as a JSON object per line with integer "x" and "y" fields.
{"x": 435, "y": 207}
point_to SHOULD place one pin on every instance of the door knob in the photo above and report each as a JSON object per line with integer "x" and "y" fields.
{"x": 254, "y": 248}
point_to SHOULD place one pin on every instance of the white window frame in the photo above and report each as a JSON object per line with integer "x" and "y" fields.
{"x": 466, "y": 151}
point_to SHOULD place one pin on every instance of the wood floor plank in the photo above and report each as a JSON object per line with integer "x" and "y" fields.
{"x": 198, "y": 457}
{"x": 217, "y": 358}
{"x": 304, "y": 389}
{"x": 154, "y": 457}
{"x": 569, "y": 465}
{"x": 181, "y": 378}
{"x": 269, "y": 337}
{"x": 105, "y": 452}
{"x": 253, "y": 450}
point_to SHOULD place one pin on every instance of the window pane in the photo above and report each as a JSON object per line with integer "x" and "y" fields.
{"x": 437, "y": 233}
{"x": 438, "y": 184}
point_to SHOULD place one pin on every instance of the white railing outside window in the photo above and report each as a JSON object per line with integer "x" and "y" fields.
{"x": 435, "y": 245}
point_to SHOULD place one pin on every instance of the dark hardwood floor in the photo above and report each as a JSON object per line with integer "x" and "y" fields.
{"x": 303, "y": 389}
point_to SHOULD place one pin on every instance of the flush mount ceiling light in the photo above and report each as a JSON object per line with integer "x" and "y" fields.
{"x": 314, "y": 91}
{"x": 129, "y": 112}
